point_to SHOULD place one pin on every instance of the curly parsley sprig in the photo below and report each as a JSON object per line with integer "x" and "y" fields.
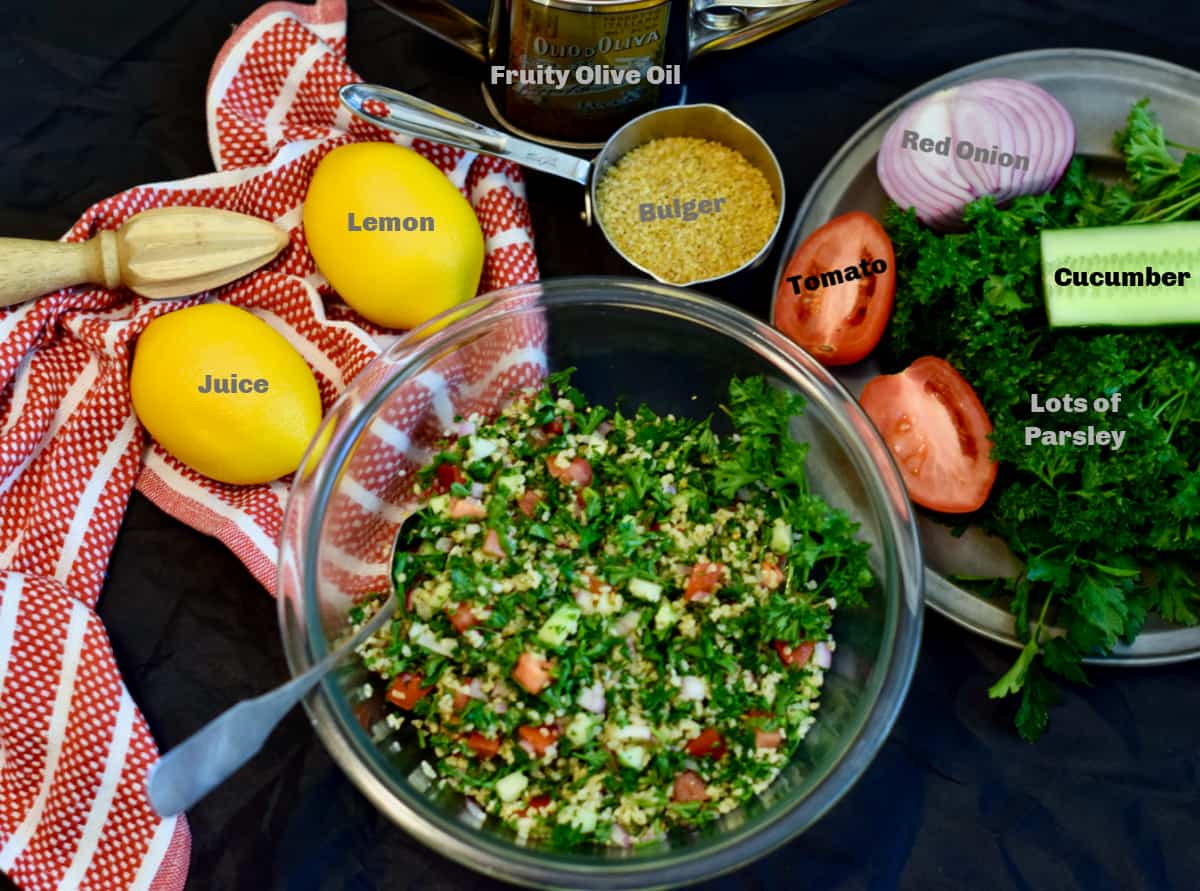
{"x": 1107, "y": 539}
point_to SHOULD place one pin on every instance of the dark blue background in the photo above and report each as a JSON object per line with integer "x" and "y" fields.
{"x": 98, "y": 96}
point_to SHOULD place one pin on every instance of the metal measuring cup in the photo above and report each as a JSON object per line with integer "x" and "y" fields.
{"x": 402, "y": 113}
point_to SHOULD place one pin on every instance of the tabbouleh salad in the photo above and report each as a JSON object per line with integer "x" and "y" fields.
{"x": 615, "y": 625}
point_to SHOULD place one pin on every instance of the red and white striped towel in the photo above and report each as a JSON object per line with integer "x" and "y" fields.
{"x": 74, "y": 749}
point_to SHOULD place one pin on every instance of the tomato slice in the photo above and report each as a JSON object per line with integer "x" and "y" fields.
{"x": 938, "y": 431}
{"x": 839, "y": 323}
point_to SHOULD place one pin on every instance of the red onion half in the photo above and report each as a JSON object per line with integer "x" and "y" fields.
{"x": 998, "y": 137}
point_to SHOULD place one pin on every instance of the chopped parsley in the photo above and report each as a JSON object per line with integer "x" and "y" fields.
{"x": 617, "y": 623}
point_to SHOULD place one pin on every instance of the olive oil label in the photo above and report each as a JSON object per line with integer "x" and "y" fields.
{"x": 592, "y": 48}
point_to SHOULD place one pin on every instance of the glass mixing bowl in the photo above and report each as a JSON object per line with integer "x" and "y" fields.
{"x": 637, "y": 342}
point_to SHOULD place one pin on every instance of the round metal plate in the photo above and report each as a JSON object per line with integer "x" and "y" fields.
{"x": 1097, "y": 87}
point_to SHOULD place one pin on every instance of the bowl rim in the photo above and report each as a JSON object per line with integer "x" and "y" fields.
{"x": 363, "y": 762}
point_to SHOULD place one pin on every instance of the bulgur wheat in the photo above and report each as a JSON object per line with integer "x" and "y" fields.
{"x": 664, "y": 171}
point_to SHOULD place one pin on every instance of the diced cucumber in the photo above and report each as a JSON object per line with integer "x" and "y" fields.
{"x": 1135, "y": 275}
{"x": 439, "y": 504}
{"x": 509, "y": 788}
{"x": 562, "y": 624}
{"x": 633, "y": 756}
{"x": 580, "y": 816}
{"x": 582, "y": 728}
{"x": 781, "y": 536}
{"x": 511, "y": 482}
{"x": 481, "y": 448}
{"x": 665, "y": 617}
{"x": 644, "y": 590}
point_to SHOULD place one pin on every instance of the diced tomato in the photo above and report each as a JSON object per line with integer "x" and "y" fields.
{"x": 461, "y": 508}
{"x": 532, "y": 673}
{"x": 689, "y": 787}
{"x": 771, "y": 575}
{"x": 554, "y": 428}
{"x": 794, "y": 657}
{"x": 528, "y": 502}
{"x": 463, "y": 618}
{"x": 577, "y": 473}
{"x": 368, "y": 711}
{"x": 406, "y": 691}
{"x": 461, "y": 700}
{"x": 709, "y": 744}
{"x": 764, "y": 739}
{"x": 536, "y": 803}
{"x": 767, "y": 739}
{"x": 704, "y": 581}
{"x": 538, "y": 739}
{"x": 491, "y": 544}
{"x": 938, "y": 431}
{"x": 839, "y": 323}
{"x": 447, "y": 475}
{"x": 482, "y": 746}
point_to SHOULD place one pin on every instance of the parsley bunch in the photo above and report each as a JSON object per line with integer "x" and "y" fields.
{"x": 1107, "y": 538}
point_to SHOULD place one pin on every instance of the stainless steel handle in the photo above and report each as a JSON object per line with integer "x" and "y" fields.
{"x": 415, "y": 117}
{"x": 728, "y": 24}
{"x": 209, "y": 756}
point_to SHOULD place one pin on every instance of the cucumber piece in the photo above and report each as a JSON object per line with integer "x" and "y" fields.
{"x": 1146, "y": 274}
{"x": 582, "y": 728}
{"x": 781, "y": 536}
{"x": 665, "y": 617}
{"x": 509, "y": 788}
{"x": 512, "y": 483}
{"x": 562, "y": 624}
{"x": 634, "y": 757}
{"x": 645, "y": 590}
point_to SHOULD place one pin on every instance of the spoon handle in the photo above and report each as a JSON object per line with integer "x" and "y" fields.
{"x": 30, "y": 268}
{"x": 210, "y": 756}
{"x": 415, "y": 117}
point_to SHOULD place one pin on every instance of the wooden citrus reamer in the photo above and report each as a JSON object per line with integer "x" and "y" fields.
{"x": 160, "y": 253}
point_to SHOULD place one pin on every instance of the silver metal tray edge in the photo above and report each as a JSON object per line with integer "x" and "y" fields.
{"x": 1076, "y": 72}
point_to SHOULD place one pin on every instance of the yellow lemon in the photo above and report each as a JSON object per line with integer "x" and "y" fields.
{"x": 224, "y": 393}
{"x": 391, "y": 233}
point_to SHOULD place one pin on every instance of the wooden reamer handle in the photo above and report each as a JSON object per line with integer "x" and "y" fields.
{"x": 31, "y": 268}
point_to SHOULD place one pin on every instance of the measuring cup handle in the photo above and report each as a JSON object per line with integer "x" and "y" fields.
{"x": 402, "y": 113}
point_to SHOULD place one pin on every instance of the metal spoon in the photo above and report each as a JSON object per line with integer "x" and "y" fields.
{"x": 209, "y": 756}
